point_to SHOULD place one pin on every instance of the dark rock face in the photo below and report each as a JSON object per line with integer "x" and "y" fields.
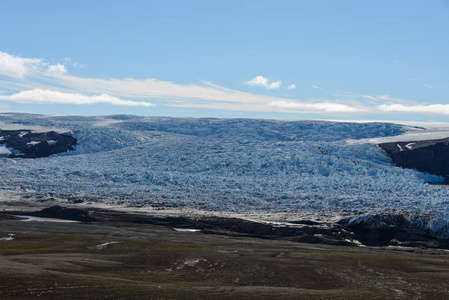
{"x": 430, "y": 156}
{"x": 65, "y": 213}
{"x": 318, "y": 233}
{"x": 29, "y": 144}
{"x": 375, "y": 230}
{"x": 391, "y": 230}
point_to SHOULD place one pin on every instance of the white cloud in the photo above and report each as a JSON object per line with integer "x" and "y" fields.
{"x": 48, "y": 97}
{"x": 57, "y": 69}
{"x": 274, "y": 85}
{"x": 316, "y": 87}
{"x": 19, "y": 68}
{"x": 383, "y": 98}
{"x": 210, "y": 96}
{"x": 258, "y": 81}
{"x": 111, "y": 91}
{"x": 327, "y": 107}
{"x": 438, "y": 109}
{"x": 386, "y": 97}
{"x": 14, "y": 66}
{"x": 264, "y": 82}
{"x": 369, "y": 97}
{"x": 48, "y": 80}
{"x": 36, "y": 81}
{"x": 291, "y": 87}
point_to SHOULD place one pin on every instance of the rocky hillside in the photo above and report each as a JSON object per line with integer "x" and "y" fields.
{"x": 431, "y": 156}
{"x": 29, "y": 144}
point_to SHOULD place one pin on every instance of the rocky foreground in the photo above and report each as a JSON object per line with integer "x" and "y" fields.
{"x": 117, "y": 255}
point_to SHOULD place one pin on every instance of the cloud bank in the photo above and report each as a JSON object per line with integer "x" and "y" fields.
{"x": 39, "y": 96}
{"x": 322, "y": 106}
{"x": 17, "y": 67}
{"x": 33, "y": 80}
{"x": 437, "y": 109}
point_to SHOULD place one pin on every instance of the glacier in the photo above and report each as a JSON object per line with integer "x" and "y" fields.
{"x": 293, "y": 169}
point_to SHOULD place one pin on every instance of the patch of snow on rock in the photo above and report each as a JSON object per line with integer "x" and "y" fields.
{"x": 4, "y": 151}
{"x": 10, "y": 237}
{"x": 33, "y": 143}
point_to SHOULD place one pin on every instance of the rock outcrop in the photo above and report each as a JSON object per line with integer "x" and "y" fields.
{"x": 29, "y": 144}
{"x": 431, "y": 156}
{"x": 382, "y": 229}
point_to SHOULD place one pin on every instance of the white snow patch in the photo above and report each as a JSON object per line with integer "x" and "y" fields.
{"x": 39, "y": 219}
{"x": 409, "y": 146}
{"x": 52, "y": 142}
{"x": 9, "y": 238}
{"x": 105, "y": 244}
{"x": 356, "y": 242}
{"x": 4, "y": 151}
{"x": 404, "y": 248}
{"x": 186, "y": 230}
{"x": 23, "y": 133}
{"x": 191, "y": 262}
{"x": 33, "y": 143}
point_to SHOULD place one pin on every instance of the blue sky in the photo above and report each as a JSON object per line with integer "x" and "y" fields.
{"x": 298, "y": 59}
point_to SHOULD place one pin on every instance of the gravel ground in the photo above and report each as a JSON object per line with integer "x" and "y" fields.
{"x": 124, "y": 260}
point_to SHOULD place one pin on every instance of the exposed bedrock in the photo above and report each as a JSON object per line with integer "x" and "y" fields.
{"x": 29, "y": 144}
{"x": 431, "y": 156}
{"x": 410, "y": 229}
{"x": 370, "y": 230}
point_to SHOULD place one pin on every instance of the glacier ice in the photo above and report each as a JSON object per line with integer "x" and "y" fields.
{"x": 233, "y": 165}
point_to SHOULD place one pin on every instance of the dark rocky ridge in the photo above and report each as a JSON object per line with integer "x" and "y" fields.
{"x": 29, "y": 144}
{"x": 431, "y": 156}
{"x": 342, "y": 234}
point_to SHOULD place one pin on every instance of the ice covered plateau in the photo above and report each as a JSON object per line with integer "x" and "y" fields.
{"x": 293, "y": 168}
